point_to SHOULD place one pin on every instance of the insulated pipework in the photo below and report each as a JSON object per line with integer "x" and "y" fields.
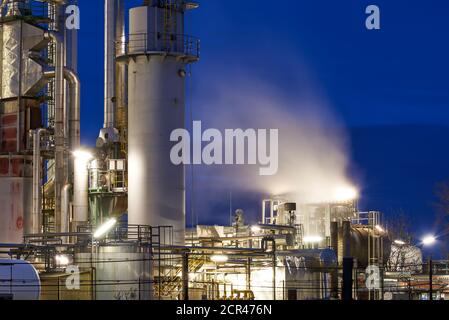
{"x": 110, "y": 7}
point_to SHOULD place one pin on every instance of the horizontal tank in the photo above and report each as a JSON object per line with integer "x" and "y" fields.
{"x": 19, "y": 280}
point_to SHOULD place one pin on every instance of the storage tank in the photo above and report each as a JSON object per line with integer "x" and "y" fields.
{"x": 19, "y": 280}
{"x": 362, "y": 243}
{"x": 157, "y": 54}
{"x": 122, "y": 271}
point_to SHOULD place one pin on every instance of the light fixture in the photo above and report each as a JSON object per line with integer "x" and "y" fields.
{"x": 399, "y": 242}
{"x": 312, "y": 239}
{"x": 62, "y": 260}
{"x": 429, "y": 240}
{"x": 105, "y": 228}
{"x": 219, "y": 258}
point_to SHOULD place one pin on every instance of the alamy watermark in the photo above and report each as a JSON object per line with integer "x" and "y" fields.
{"x": 231, "y": 147}
{"x": 373, "y": 278}
{"x": 372, "y": 22}
{"x": 73, "y": 17}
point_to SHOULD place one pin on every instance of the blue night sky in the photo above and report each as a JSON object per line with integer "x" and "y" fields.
{"x": 389, "y": 88}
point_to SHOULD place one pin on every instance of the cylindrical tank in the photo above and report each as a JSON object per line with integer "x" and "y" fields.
{"x": 15, "y": 208}
{"x": 122, "y": 272}
{"x": 362, "y": 242}
{"x": 19, "y": 280}
{"x": 156, "y": 61}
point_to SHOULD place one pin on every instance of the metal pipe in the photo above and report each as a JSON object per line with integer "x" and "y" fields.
{"x": 346, "y": 227}
{"x": 65, "y": 217}
{"x": 74, "y": 114}
{"x": 121, "y": 77}
{"x": 185, "y": 276}
{"x": 110, "y": 28}
{"x": 60, "y": 141}
{"x": 74, "y": 111}
{"x": 37, "y": 187}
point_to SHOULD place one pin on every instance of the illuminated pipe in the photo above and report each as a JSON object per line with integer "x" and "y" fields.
{"x": 37, "y": 186}
{"x": 65, "y": 217}
{"x": 110, "y": 27}
{"x": 74, "y": 118}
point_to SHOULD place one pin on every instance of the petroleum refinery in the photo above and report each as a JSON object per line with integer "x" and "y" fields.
{"x": 109, "y": 223}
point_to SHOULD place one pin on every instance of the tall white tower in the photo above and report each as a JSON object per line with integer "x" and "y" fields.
{"x": 157, "y": 53}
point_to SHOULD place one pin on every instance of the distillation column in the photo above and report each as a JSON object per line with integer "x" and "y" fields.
{"x": 157, "y": 55}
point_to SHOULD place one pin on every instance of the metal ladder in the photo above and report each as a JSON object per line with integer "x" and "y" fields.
{"x": 169, "y": 24}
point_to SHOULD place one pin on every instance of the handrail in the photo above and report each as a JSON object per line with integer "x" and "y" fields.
{"x": 177, "y": 44}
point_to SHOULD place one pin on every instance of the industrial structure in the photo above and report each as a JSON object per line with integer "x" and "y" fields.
{"x": 110, "y": 223}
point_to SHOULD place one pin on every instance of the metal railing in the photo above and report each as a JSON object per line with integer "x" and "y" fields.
{"x": 30, "y": 9}
{"x": 178, "y": 44}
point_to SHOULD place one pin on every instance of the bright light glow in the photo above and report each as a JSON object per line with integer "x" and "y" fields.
{"x": 105, "y": 228}
{"x": 219, "y": 258}
{"x": 83, "y": 155}
{"x": 62, "y": 260}
{"x": 312, "y": 239}
{"x": 399, "y": 242}
{"x": 379, "y": 228}
{"x": 429, "y": 240}
{"x": 346, "y": 194}
{"x": 255, "y": 229}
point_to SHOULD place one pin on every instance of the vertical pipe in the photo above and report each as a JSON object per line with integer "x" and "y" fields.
{"x": 60, "y": 140}
{"x": 75, "y": 106}
{"x": 430, "y": 279}
{"x": 185, "y": 276}
{"x": 37, "y": 188}
{"x": 334, "y": 237}
{"x": 274, "y": 273}
{"x": 263, "y": 211}
{"x": 109, "y": 61}
{"x": 346, "y": 239}
{"x": 334, "y": 272}
{"x": 348, "y": 265}
{"x": 121, "y": 78}
{"x": 65, "y": 216}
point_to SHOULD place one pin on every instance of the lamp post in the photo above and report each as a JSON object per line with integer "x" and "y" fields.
{"x": 428, "y": 241}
